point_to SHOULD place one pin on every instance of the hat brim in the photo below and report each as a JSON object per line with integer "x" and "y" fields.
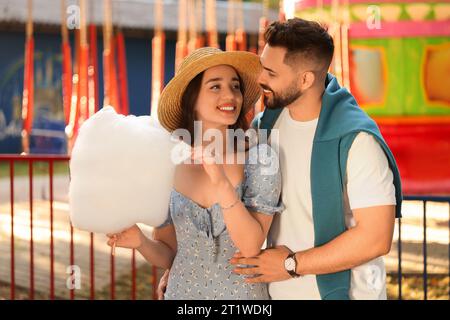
{"x": 246, "y": 64}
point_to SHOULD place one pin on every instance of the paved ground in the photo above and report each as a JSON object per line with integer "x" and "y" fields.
{"x": 41, "y": 243}
{"x": 41, "y": 240}
{"x": 412, "y": 235}
{"x": 412, "y": 232}
{"x": 41, "y": 189}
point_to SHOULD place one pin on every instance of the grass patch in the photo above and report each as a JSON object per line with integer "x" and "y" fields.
{"x": 20, "y": 293}
{"x": 144, "y": 287}
{"x": 412, "y": 287}
{"x": 40, "y": 168}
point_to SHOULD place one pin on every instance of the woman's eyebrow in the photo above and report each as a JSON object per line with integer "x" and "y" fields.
{"x": 220, "y": 79}
{"x": 213, "y": 79}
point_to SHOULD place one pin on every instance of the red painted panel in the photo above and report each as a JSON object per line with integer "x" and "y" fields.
{"x": 422, "y": 152}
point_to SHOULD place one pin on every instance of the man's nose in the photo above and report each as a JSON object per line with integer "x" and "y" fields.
{"x": 261, "y": 79}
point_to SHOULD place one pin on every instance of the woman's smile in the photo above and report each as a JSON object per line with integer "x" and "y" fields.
{"x": 229, "y": 108}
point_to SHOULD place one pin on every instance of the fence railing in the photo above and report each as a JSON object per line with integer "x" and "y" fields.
{"x": 424, "y": 200}
{"x": 50, "y": 160}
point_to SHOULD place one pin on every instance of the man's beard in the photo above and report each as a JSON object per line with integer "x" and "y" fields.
{"x": 283, "y": 99}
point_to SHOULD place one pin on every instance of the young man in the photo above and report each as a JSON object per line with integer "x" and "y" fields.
{"x": 341, "y": 186}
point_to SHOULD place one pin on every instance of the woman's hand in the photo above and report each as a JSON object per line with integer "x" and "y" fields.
{"x": 131, "y": 238}
{"x": 214, "y": 170}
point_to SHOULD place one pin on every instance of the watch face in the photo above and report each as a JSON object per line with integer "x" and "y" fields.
{"x": 289, "y": 264}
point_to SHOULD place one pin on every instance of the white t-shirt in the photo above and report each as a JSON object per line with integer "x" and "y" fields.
{"x": 369, "y": 183}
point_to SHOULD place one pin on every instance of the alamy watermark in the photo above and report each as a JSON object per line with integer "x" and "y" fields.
{"x": 74, "y": 279}
{"x": 374, "y": 276}
{"x": 373, "y": 20}
{"x": 73, "y": 17}
{"x": 213, "y": 146}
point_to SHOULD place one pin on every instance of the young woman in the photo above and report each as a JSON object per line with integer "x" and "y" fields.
{"x": 215, "y": 208}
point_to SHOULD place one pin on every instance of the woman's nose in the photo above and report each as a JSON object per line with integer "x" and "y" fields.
{"x": 229, "y": 94}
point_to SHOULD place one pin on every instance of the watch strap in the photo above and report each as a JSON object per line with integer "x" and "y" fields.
{"x": 293, "y": 273}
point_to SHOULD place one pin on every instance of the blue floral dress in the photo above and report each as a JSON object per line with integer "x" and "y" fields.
{"x": 201, "y": 268}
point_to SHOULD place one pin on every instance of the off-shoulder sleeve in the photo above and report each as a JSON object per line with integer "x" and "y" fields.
{"x": 262, "y": 188}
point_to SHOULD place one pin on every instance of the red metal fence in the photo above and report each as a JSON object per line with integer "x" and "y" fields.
{"x": 51, "y": 160}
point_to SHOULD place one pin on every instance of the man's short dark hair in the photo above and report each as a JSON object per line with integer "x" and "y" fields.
{"x": 304, "y": 38}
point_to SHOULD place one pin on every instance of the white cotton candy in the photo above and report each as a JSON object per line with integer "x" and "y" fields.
{"x": 121, "y": 172}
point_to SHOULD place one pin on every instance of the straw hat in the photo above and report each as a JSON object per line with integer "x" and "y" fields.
{"x": 246, "y": 64}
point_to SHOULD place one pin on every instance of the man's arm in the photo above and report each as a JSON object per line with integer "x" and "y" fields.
{"x": 371, "y": 195}
{"x": 370, "y": 238}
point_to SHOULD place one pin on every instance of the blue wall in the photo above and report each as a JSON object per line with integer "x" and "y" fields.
{"x": 48, "y": 92}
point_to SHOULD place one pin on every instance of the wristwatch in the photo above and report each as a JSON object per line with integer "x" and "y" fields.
{"x": 290, "y": 264}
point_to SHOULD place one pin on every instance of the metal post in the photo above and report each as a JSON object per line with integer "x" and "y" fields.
{"x": 425, "y": 275}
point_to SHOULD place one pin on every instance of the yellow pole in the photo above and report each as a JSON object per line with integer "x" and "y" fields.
{"x": 181, "y": 46}
{"x": 231, "y": 40}
{"x": 211, "y": 23}
{"x": 336, "y": 34}
{"x": 158, "y": 53}
{"x": 345, "y": 45}
{"x": 241, "y": 36}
